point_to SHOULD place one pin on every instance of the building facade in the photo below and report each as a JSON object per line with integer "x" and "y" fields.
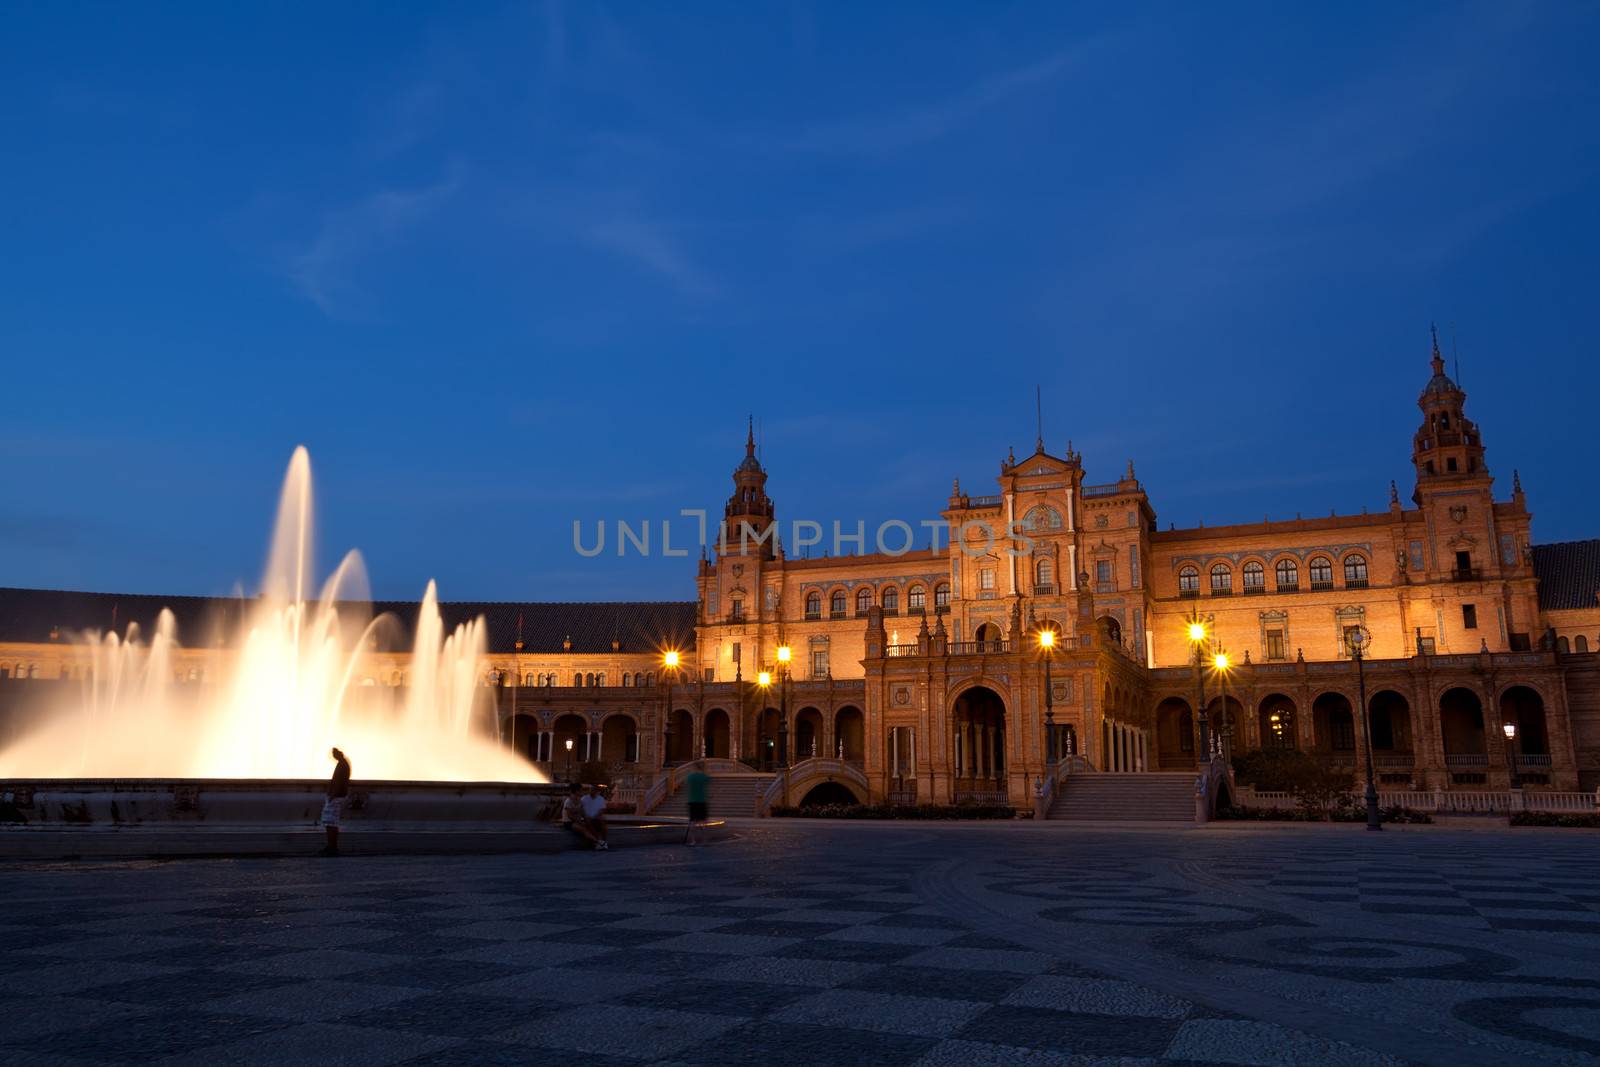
{"x": 925, "y": 670}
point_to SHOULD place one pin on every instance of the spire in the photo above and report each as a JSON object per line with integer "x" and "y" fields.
{"x": 750, "y": 434}
{"x": 1516, "y": 481}
{"x": 1038, "y": 407}
{"x": 1438, "y": 360}
{"x": 1394, "y": 493}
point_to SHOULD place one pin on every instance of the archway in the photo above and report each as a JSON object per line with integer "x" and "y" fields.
{"x": 716, "y": 730}
{"x": 522, "y": 734}
{"x": 828, "y": 793}
{"x": 807, "y": 734}
{"x": 1390, "y": 723}
{"x": 989, "y": 637}
{"x": 680, "y": 736}
{"x": 979, "y": 722}
{"x": 619, "y": 739}
{"x": 1334, "y": 723}
{"x": 571, "y": 745}
{"x": 850, "y": 734}
{"x": 1525, "y": 707}
{"x": 1174, "y": 734}
{"x": 1110, "y": 629}
{"x": 1275, "y": 719}
{"x": 767, "y": 721}
{"x": 1227, "y": 720}
{"x": 1461, "y": 729}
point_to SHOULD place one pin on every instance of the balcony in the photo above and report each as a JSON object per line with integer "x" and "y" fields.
{"x": 900, "y": 651}
{"x": 840, "y": 614}
{"x": 1394, "y": 759}
{"x": 1288, "y": 587}
{"x": 1466, "y": 574}
{"x": 814, "y": 616}
{"x": 1468, "y": 760}
{"x": 1355, "y": 583}
{"x": 1189, "y": 594}
{"x": 1254, "y": 590}
{"x": 1222, "y": 592}
{"x": 1044, "y": 589}
{"x": 1325, "y": 586}
{"x": 976, "y": 648}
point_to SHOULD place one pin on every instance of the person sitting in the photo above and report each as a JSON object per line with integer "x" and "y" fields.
{"x": 574, "y": 821}
{"x": 594, "y": 813}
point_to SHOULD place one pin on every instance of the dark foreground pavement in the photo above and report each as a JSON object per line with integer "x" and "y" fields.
{"x": 826, "y": 944}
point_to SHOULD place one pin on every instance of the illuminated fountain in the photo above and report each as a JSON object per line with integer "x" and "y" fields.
{"x": 296, "y": 677}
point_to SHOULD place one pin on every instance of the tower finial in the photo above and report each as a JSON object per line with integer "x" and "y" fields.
{"x": 1516, "y": 481}
{"x": 1038, "y": 408}
{"x": 1438, "y": 360}
{"x": 750, "y": 436}
{"x": 1394, "y": 492}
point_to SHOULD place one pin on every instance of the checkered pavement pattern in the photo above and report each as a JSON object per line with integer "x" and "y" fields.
{"x": 1474, "y": 891}
{"x": 570, "y": 959}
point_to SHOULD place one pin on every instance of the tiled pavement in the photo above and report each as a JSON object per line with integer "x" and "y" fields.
{"x": 818, "y": 944}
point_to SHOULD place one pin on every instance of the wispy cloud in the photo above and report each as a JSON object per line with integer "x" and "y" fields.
{"x": 653, "y": 248}
{"x": 898, "y": 130}
{"x": 324, "y": 270}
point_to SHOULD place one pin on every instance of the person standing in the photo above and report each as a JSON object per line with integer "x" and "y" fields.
{"x": 698, "y": 785}
{"x": 333, "y": 806}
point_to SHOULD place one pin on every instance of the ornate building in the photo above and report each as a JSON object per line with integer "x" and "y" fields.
{"x": 921, "y": 674}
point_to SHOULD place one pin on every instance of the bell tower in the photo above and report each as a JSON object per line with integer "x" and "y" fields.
{"x": 1447, "y": 450}
{"x": 748, "y": 516}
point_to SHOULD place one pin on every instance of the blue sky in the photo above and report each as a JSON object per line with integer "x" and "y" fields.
{"x": 501, "y": 268}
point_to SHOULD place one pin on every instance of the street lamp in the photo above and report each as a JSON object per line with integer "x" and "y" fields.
{"x": 785, "y": 653}
{"x": 1511, "y": 753}
{"x": 669, "y": 663}
{"x": 1357, "y": 638}
{"x": 1221, "y": 664}
{"x": 764, "y": 681}
{"x": 569, "y": 759}
{"x": 1047, "y": 644}
{"x": 1197, "y": 638}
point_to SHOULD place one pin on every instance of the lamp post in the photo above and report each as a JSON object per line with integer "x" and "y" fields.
{"x": 1221, "y": 665}
{"x": 1357, "y": 638}
{"x": 785, "y": 653}
{"x": 1197, "y": 639}
{"x": 669, "y": 664}
{"x": 764, "y": 681}
{"x": 569, "y": 759}
{"x": 1047, "y": 644}
{"x": 1510, "y": 729}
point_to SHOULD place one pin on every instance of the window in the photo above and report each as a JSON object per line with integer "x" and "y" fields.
{"x": 589, "y": 679}
{"x": 1102, "y": 576}
{"x": 1580, "y": 643}
{"x": 1469, "y": 616}
{"x": 1044, "y": 575}
{"x": 1464, "y": 565}
{"x": 600, "y": 679}
{"x": 577, "y": 679}
{"x": 1425, "y": 646}
{"x": 813, "y": 605}
{"x": 1255, "y": 577}
{"x": 941, "y": 597}
{"x": 1133, "y": 565}
{"x": 836, "y": 604}
{"x": 738, "y": 651}
{"x": 1342, "y": 733}
{"x": 1189, "y": 581}
{"x": 1275, "y": 645}
{"x": 1450, "y": 464}
{"x": 916, "y": 599}
{"x": 1288, "y": 572}
{"x": 891, "y": 601}
{"x": 736, "y": 608}
{"x": 1321, "y": 574}
{"x": 819, "y": 662}
{"x": 863, "y": 601}
{"x": 986, "y": 579}
{"x": 627, "y": 679}
{"x": 1221, "y": 580}
{"x": 1355, "y": 571}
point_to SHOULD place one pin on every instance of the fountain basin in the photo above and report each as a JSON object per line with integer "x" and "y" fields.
{"x": 60, "y": 818}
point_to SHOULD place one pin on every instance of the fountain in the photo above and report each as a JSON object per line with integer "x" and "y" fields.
{"x": 291, "y": 688}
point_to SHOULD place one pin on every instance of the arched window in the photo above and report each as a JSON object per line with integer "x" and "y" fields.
{"x": 589, "y": 679}
{"x": 1321, "y": 573}
{"x": 836, "y": 604}
{"x": 863, "y": 600}
{"x": 1189, "y": 581}
{"x": 1042, "y": 518}
{"x": 1562, "y": 645}
{"x": 916, "y": 599}
{"x": 1044, "y": 574}
{"x": 1355, "y": 571}
{"x": 941, "y": 597}
{"x": 1255, "y": 577}
{"x": 813, "y": 605}
{"x": 627, "y": 679}
{"x": 1221, "y": 579}
{"x": 1288, "y": 575}
{"x": 577, "y": 678}
{"x": 891, "y": 600}
{"x": 1580, "y": 644}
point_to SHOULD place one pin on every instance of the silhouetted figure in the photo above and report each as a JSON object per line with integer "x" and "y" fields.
{"x": 333, "y": 807}
{"x": 698, "y": 787}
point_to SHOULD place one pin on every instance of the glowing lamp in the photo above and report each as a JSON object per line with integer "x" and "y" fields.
{"x": 1511, "y": 731}
{"x": 1047, "y": 639}
{"x": 1220, "y": 661}
{"x": 1197, "y": 632}
{"x": 670, "y": 659}
{"x": 764, "y": 679}
{"x": 569, "y": 744}
{"x": 784, "y": 653}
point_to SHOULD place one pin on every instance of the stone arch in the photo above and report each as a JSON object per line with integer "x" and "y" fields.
{"x": 850, "y": 734}
{"x": 716, "y": 732}
{"x": 522, "y": 735}
{"x": 831, "y": 792}
{"x": 768, "y": 721}
{"x": 1110, "y": 629}
{"x": 1277, "y": 722}
{"x": 619, "y": 738}
{"x": 1333, "y": 723}
{"x": 807, "y": 735}
{"x": 1175, "y": 736}
{"x": 978, "y": 729}
{"x": 1461, "y": 724}
{"x": 1524, "y": 705}
{"x": 574, "y": 728}
{"x": 989, "y": 637}
{"x": 680, "y": 736}
{"x": 1389, "y": 720}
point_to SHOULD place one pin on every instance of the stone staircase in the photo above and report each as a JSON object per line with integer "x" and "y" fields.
{"x": 730, "y": 796}
{"x": 1106, "y": 797}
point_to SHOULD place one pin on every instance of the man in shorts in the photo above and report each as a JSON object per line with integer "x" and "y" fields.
{"x": 698, "y": 784}
{"x": 333, "y": 806}
{"x": 594, "y": 813}
{"x": 574, "y": 821}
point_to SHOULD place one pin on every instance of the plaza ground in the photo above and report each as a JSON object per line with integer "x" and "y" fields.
{"x": 828, "y": 944}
